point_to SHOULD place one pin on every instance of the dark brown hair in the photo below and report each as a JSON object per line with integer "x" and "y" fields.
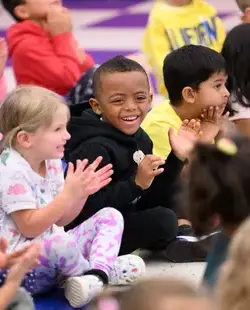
{"x": 218, "y": 184}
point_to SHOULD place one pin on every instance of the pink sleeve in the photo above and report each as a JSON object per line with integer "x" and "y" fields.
{"x": 3, "y": 88}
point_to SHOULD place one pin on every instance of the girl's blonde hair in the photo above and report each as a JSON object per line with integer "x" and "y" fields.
{"x": 27, "y": 108}
{"x": 234, "y": 281}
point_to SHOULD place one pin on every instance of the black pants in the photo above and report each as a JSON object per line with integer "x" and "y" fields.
{"x": 150, "y": 229}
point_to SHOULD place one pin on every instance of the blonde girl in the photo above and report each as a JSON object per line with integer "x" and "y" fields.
{"x": 36, "y": 203}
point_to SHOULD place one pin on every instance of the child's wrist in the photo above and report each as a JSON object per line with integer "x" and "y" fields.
{"x": 72, "y": 199}
{"x": 66, "y": 198}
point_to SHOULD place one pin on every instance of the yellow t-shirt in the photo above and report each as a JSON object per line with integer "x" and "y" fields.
{"x": 157, "y": 123}
{"x": 171, "y": 27}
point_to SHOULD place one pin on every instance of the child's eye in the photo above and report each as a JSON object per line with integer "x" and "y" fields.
{"x": 58, "y": 128}
{"x": 141, "y": 98}
{"x": 117, "y": 101}
{"x": 217, "y": 86}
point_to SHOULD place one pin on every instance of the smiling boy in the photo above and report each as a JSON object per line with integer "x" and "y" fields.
{"x": 143, "y": 185}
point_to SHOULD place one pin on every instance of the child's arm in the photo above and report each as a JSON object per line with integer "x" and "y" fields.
{"x": 55, "y": 65}
{"x": 182, "y": 144}
{"x": 25, "y": 260}
{"x": 117, "y": 194}
{"x": 59, "y": 21}
{"x": 19, "y": 201}
{"x": 32, "y": 223}
{"x": 7, "y": 293}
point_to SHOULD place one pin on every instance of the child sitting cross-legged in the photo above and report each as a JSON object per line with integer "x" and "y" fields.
{"x": 36, "y": 202}
{"x": 143, "y": 185}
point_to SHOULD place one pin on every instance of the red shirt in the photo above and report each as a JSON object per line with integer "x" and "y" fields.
{"x": 42, "y": 60}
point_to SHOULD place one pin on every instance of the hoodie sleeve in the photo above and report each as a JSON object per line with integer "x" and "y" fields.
{"x": 163, "y": 190}
{"x": 118, "y": 194}
{"x": 53, "y": 64}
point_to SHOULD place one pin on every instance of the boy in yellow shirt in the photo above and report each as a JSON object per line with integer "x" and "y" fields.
{"x": 174, "y": 23}
{"x": 195, "y": 77}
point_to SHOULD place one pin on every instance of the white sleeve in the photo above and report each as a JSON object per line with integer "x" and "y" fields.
{"x": 16, "y": 192}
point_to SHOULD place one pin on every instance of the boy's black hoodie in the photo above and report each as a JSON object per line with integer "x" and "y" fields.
{"x": 91, "y": 137}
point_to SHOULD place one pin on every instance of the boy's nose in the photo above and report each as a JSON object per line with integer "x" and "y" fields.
{"x": 130, "y": 105}
{"x": 227, "y": 94}
{"x": 67, "y": 135}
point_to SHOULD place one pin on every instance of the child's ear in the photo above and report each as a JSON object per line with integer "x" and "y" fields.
{"x": 95, "y": 106}
{"x": 245, "y": 18}
{"x": 21, "y": 12}
{"x": 24, "y": 139}
{"x": 188, "y": 94}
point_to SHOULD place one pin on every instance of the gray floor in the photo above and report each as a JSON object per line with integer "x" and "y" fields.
{"x": 189, "y": 271}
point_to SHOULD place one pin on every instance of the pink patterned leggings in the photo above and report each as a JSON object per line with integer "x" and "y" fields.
{"x": 94, "y": 244}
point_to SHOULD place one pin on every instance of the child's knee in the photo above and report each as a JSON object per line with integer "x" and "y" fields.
{"x": 111, "y": 214}
{"x": 164, "y": 222}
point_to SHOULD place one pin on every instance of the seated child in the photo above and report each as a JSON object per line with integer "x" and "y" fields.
{"x": 174, "y": 23}
{"x": 43, "y": 49}
{"x": 217, "y": 194}
{"x": 19, "y": 263}
{"x": 36, "y": 203}
{"x": 236, "y": 53}
{"x": 143, "y": 185}
{"x": 155, "y": 294}
{"x": 195, "y": 78}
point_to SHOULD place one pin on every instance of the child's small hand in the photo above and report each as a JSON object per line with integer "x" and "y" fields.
{"x": 212, "y": 120}
{"x": 85, "y": 181}
{"x": 3, "y": 256}
{"x": 26, "y": 260}
{"x": 183, "y": 142}
{"x": 147, "y": 170}
{"x": 9, "y": 260}
{"x": 95, "y": 180}
{"x": 3, "y": 55}
{"x": 14, "y": 257}
{"x": 58, "y": 21}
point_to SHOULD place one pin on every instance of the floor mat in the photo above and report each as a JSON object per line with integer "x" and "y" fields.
{"x": 53, "y": 301}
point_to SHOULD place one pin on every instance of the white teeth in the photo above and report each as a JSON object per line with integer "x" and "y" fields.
{"x": 130, "y": 118}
